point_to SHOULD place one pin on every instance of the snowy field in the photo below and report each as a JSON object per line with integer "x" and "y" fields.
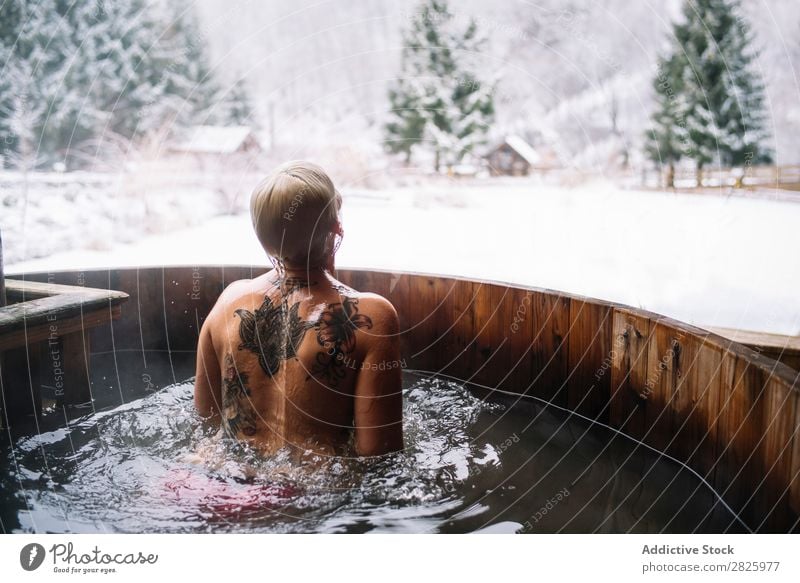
{"x": 708, "y": 260}
{"x": 83, "y": 210}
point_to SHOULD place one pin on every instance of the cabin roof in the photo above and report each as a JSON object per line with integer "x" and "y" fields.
{"x": 214, "y": 139}
{"x": 523, "y": 148}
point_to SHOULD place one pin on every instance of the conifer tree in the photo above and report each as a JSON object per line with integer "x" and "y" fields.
{"x": 238, "y": 108}
{"x": 439, "y": 103}
{"x": 75, "y": 71}
{"x": 668, "y": 140}
{"x": 717, "y": 102}
{"x": 32, "y": 57}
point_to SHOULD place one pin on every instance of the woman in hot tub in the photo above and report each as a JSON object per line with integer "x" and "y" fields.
{"x": 294, "y": 358}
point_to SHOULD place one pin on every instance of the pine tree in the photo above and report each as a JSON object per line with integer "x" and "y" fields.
{"x": 10, "y": 24}
{"x": 407, "y": 97}
{"x": 189, "y": 76}
{"x": 78, "y": 72}
{"x": 406, "y": 127}
{"x": 668, "y": 140}
{"x": 719, "y": 101}
{"x": 439, "y": 103}
{"x": 32, "y": 52}
{"x": 111, "y": 82}
{"x": 238, "y": 109}
{"x": 206, "y": 102}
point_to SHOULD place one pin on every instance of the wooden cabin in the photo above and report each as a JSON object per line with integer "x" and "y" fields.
{"x": 209, "y": 145}
{"x": 514, "y": 156}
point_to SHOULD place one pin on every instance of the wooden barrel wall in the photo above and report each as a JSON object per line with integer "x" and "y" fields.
{"x": 728, "y": 412}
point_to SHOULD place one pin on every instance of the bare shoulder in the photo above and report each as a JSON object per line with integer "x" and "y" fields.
{"x": 230, "y": 295}
{"x": 380, "y": 310}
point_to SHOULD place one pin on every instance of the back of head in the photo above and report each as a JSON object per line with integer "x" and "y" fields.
{"x": 295, "y": 212}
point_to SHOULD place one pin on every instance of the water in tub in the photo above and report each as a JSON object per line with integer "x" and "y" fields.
{"x": 497, "y": 464}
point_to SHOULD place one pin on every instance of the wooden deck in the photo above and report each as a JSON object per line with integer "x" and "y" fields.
{"x": 786, "y": 349}
{"x": 44, "y": 333}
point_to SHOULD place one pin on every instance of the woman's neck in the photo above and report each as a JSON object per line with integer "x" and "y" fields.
{"x": 304, "y": 271}
{"x": 291, "y": 270}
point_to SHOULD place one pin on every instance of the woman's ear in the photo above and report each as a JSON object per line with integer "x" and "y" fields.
{"x": 334, "y": 238}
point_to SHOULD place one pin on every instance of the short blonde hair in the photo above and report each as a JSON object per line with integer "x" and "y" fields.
{"x": 294, "y": 211}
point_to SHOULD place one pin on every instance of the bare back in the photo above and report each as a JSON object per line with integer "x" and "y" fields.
{"x": 305, "y": 362}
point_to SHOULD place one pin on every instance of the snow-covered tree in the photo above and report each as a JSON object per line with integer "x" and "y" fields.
{"x": 113, "y": 84}
{"x": 667, "y": 141}
{"x": 10, "y": 19}
{"x": 76, "y": 73}
{"x": 32, "y": 58}
{"x": 710, "y": 91}
{"x": 191, "y": 75}
{"x": 238, "y": 108}
{"x": 406, "y": 126}
{"x": 439, "y": 103}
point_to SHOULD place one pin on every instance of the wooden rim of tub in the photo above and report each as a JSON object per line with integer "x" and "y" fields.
{"x": 727, "y": 411}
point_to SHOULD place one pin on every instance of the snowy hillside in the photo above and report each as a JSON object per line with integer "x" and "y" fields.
{"x": 319, "y": 70}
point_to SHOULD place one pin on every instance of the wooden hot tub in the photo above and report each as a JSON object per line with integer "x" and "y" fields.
{"x": 728, "y": 412}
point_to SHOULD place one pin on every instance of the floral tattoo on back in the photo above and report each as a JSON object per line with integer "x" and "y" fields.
{"x": 336, "y": 334}
{"x": 238, "y": 414}
{"x": 272, "y": 332}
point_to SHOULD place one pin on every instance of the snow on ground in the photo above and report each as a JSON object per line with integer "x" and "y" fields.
{"x": 708, "y": 260}
{"x": 93, "y": 210}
